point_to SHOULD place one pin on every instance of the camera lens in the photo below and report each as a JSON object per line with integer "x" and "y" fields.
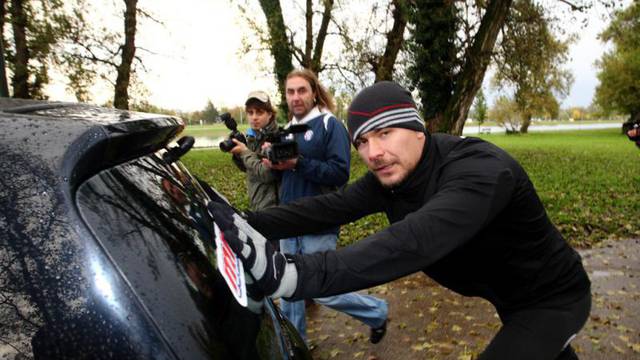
{"x": 227, "y": 145}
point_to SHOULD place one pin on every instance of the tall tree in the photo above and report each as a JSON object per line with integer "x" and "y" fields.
{"x": 619, "y": 68}
{"x": 38, "y": 28}
{"x": 305, "y": 44}
{"x": 121, "y": 94}
{"x": 505, "y": 112}
{"x": 111, "y": 55}
{"x": 4, "y": 85}
{"x": 278, "y": 45}
{"x": 480, "y": 108}
{"x": 210, "y": 113}
{"x": 529, "y": 60}
{"x": 21, "y": 58}
{"x": 447, "y": 71}
{"x": 284, "y": 46}
{"x": 451, "y": 45}
{"x": 371, "y": 50}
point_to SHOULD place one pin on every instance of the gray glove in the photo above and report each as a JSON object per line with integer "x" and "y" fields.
{"x": 273, "y": 275}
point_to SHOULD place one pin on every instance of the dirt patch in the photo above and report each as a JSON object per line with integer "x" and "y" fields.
{"x": 429, "y": 321}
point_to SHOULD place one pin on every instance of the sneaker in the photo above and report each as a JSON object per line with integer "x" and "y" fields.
{"x": 378, "y": 333}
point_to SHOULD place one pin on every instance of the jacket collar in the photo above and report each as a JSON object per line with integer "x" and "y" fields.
{"x": 313, "y": 113}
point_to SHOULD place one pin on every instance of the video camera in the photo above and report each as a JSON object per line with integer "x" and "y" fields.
{"x": 282, "y": 149}
{"x": 232, "y": 125}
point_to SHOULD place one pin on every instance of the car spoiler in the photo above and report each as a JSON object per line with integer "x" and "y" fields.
{"x": 104, "y": 146}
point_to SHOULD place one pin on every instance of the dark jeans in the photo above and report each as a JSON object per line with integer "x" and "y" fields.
{"x": 539, "y": 333}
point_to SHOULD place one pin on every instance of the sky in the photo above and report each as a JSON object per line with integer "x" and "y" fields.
{"x": 196, "y": 56}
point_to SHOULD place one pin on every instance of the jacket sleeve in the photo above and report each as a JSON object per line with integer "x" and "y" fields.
{"x": 254, "y": 167}
{"x": 334, "y": 169}
{"x": 470, "y": 194}
{"x": 313, "y": 214}
{"x": 237, "y": 161}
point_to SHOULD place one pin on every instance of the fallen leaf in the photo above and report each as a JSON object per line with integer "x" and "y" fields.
{"x": 618, "y": 349}
{"x": 421, "y": 347}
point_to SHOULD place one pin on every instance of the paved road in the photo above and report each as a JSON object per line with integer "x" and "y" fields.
{"x": 430, "y": 322}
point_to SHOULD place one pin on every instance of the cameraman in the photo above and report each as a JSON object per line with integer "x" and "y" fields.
{"x": 322, "y": 166}
{"x": 262, "y": 182}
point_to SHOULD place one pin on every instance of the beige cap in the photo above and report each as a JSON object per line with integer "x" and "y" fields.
{"x": 258, "y": 95}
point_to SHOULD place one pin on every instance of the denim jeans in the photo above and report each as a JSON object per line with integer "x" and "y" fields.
{"x": 367, "y": 309}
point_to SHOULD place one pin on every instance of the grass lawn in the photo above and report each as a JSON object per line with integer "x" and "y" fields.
{"x": 554, "y": 122}
{"x": 589, "y": 182}
{"x": 211, "y": 131}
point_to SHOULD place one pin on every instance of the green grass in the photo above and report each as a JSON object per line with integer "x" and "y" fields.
{"x": 552, "y": 122}
{"x": 589, "y": 182}
{"x": 211, "y": 131}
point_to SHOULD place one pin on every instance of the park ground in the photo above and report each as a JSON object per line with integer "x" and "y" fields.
{"x": 428, "y": 321}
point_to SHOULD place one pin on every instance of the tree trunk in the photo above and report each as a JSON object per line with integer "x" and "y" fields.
{"x": 395, "y": 39}
{"x": 20, "y": 80}
{"x": 121, "y": 97}
{"x": 469, "y": 80}
{"x": 4, "y": 86}
{"x": 316, "y": 62}
{"x": 279, "y": 44}
{"x": 438, "y": 123}
{"x": 308, "y": 43}
{"x": 526, "y": 121}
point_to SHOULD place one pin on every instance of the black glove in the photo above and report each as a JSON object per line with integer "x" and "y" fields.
{"x": 273, "y": 274}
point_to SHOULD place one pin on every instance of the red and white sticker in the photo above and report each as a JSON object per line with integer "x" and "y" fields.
{"x": 230, "y": 267}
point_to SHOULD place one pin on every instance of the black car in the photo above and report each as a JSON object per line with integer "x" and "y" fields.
{"x": 107, "y": 249}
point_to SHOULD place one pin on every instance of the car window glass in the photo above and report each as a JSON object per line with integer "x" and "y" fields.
{"x": 151, "y": 219}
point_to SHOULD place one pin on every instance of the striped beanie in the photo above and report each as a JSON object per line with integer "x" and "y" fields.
{"x": 381, "y": 105}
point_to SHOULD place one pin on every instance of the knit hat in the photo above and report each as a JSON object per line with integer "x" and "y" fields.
{"x": 381, "y": 105}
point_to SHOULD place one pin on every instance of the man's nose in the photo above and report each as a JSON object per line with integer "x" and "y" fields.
{"x": 376, "y": 150}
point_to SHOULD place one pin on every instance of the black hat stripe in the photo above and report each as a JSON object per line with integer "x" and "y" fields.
{"x": 387, "y": 119}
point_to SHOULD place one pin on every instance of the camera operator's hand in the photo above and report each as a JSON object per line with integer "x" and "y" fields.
{"x": 239, "y": 148}
{"x": 282, "y": 165}
{"x": 273, "y": 274}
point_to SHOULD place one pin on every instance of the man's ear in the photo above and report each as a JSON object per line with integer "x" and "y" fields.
{"x": 420, "y": 134}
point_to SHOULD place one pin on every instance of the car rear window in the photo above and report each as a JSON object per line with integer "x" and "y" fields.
{"x": 151, "y": 218}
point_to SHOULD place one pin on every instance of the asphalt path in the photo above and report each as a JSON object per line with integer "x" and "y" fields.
{"x": 429, "y": 322}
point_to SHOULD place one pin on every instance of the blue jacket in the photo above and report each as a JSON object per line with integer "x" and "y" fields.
{"x": 324, "y": 162}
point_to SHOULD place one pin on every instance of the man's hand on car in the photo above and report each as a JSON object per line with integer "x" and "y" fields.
{"x": 274, "y": 276}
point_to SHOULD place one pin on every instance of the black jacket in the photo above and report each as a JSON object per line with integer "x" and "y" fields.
{"x": 468, "y": 216}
